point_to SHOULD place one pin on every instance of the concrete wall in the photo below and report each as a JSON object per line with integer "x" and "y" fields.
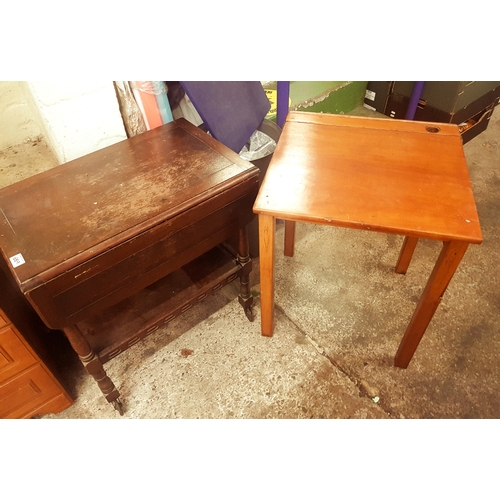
{"x": 18, "y": 122}
{"x": 319, "y": 96}
{"x": 77, "y": 117}
{"x": 327, "y": 97}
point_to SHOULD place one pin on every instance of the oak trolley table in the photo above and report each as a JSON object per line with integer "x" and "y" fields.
{"x": 113, "y": 245}
{"x": 392, "y": 176}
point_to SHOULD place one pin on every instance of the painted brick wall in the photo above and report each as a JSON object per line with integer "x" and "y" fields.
{"x": 17, "y": 121}
{"x": 78, "y": 117}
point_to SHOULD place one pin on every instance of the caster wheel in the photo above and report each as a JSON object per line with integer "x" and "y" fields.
{"x": 249, "y": 314}
{"x": 118, "y": 405}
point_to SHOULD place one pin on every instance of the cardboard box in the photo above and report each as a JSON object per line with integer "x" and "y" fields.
{"x": 477, "y": 124}
{"x": 397, "y": 104}
{"x": 448, "y": 96}
{"x": 376, "y": 95}
{"x": 472, "y": 119}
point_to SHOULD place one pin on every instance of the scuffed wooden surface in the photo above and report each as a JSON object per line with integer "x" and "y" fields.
{"x": 57, "y": 214}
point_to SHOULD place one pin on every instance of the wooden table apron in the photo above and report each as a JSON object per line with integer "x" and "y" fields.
{"x": 392, "y": 176}
{"x": 96, "y": 230}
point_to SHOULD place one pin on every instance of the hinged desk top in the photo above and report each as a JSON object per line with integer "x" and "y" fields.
{"x": 62, "y": 217}
{"x": 396, "y": 176}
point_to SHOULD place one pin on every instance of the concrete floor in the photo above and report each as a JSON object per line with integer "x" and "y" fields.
{"x": 340, "y": 314}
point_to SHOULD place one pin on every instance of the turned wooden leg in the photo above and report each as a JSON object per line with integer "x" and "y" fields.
{"x": 245, "y": 297}
{"x": 443, "y": 271}
{"x": 289, "y": 238}
{"x": 91, "y": 362}
{"x": 406, "y": 254}
{"x": 267, "y": 230}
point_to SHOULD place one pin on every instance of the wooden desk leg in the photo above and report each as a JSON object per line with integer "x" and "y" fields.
{"x": 289, "y": 237}
{"x": 443, "y": 271}
{"x": 245, "y": 297}
{"x": 406, "y": 254}
{"x": 93, "y": 365}
{"x": 267, "y": 230}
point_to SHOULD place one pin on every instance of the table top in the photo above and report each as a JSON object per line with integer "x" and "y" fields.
{"x": 71, "y": 213}
{"x": 394, "y": 176}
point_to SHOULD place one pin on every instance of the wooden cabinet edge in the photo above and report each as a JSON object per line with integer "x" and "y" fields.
{"x": 56, "y": 402}
{"x": 54, "y": 406}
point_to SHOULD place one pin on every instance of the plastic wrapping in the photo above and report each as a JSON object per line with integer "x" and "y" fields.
{"x": 258, "y": 146}
{"x": 186, "y": 110}
{"x": 154, "y": 88}
{"x": 152, "y": 100}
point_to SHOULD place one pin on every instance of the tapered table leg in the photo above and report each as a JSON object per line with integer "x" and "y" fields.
{"x": 406, "y": 254}
{"x": 93, "y": 365}
{"x": 443, "y": 271}
{"x": 267, "y": 230}
{"x": 289, "y": 237}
